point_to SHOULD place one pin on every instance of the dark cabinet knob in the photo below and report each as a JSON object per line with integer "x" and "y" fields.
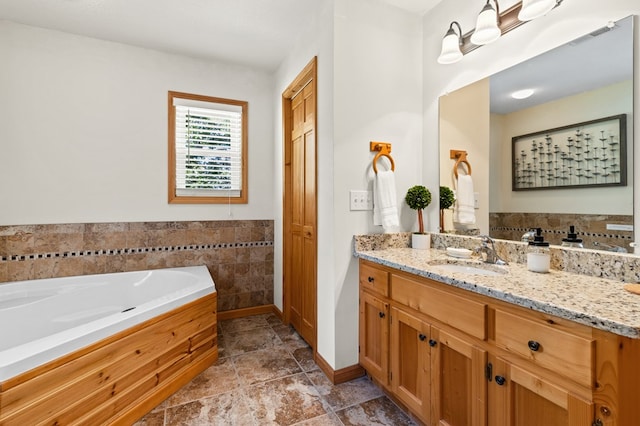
{"x": 381, "y": 314}
{"x": 533, "y": 345}
{"x": 432, "y": 343}
{"x": 370, "y": 279}
{"x": 422, "y": 337}
{"x": 500, "y": 380}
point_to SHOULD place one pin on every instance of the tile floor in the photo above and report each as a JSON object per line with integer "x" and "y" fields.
{"x": 265, "y": 375}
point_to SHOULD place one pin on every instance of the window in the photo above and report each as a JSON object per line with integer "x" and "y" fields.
{"x": 207, "y": 149}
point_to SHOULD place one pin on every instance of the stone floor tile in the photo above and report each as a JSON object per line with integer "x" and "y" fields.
{"x": 304, "y": 356}
{"x": 243, "y": 324}
{"x": 225, "y": 409}
{"x": 285, "y": 401}
{"x": 380, "y": 411}
{"x": 238, "y": 343}
{"x": 344, "y": 394}
{"x": 263, "y": 365}
{"x": 219, "y": 378}
{"x": 329, "y": 419}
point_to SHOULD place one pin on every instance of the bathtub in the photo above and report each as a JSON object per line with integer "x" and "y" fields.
{"x": 96, "y": 327}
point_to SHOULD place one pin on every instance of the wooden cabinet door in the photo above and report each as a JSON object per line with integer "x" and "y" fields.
{"x": 522, "y": 398}
{"x": 458, "y": 382}
{"x": 410, "y": 362}
{"x": 374, "y": 337}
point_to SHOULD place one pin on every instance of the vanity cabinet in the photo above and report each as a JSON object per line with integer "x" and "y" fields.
{"x": 374, "y": 323}
{"x": 453, "y": 357}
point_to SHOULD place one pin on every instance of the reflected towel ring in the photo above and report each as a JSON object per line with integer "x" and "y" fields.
{"x": 461, "y": 158}
{"x": 384, "y": 150}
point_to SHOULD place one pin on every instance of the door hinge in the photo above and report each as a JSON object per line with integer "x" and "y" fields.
{"x": 358, "y": 348}
{"x": 488, "y": 371}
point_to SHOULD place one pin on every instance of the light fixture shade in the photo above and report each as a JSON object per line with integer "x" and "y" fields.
{"x": 532, "y": 9}
{"x": 450, "y": 48}
{"x": 487, "y": 30}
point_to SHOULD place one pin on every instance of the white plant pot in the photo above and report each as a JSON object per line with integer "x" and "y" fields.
{"x": 421, "y": 241}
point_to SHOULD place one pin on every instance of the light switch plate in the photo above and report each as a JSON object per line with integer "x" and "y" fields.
{"x": 360, "y": 200}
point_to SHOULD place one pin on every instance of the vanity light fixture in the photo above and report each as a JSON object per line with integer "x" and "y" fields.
{"x": 532, "y": 9}
{"x": 490, "y": 25}
{"x": 522, "y": 94}
{"x": 451, "y": 45}
{"x": 487, "y": 30}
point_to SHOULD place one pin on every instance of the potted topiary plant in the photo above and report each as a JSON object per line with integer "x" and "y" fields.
{"x": 418, "y": 198}
{"x": 447, "y": 197}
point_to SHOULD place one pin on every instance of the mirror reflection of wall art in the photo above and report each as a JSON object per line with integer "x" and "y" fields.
{"x": 592, "y": 153}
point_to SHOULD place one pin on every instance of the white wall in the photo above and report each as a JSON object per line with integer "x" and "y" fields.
{"x": 369, "y": 57}
{"x": 84, "y": 129}
{"x": 571, "y": 20}
{"x": 377, "y": 85}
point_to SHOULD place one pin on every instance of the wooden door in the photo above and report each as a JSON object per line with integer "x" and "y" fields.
{"x": 458, "y": 383}
{"x": 522, "y": 398}
{"x": 374, "y": 337}
{"x": 300, "y": 234}
{"x": 410, "y": 362}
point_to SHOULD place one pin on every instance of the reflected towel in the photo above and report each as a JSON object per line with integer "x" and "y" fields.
{"x": 385, "y": 211}
{"x": 464, "y": 211}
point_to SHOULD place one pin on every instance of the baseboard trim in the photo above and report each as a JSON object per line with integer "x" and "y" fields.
{"x": 247, "y": 312}
{"x": 338, "y": 376}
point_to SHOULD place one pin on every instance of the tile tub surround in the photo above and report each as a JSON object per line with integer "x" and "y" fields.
{"x": 587, "y": 299}
{"x": 239, "y": 254}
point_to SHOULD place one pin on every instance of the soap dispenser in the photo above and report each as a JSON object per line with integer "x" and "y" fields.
{"x": 572, "y": 240}
{"x": 538, "y": 254}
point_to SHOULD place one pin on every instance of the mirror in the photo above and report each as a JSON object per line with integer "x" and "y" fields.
{"x": 587, "y": 79}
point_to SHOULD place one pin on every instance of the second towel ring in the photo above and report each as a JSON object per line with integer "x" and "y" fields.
{"x": 461, "y": 158}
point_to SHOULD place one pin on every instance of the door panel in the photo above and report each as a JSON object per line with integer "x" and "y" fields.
{"x": 458, "y": 384}
{"x": 300, "y": 211}
{"x": 410, "y": 362}
{"x": 523, "y": 398}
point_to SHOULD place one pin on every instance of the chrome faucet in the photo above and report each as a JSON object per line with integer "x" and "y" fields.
{"x": 488, "y": 248}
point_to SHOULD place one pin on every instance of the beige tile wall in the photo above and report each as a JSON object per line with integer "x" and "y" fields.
{"x": 239, "y": 254}
{"x": 590, "y": 228}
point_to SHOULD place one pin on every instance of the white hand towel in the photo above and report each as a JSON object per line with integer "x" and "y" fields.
{"x": 385, "y": 210}
{"x": 464, "y": 211}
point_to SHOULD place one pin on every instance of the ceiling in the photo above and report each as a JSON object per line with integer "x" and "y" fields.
{"x": 256, "y": 33}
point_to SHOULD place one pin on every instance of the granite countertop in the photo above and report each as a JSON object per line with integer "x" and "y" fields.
{"x": 597, "y": 302}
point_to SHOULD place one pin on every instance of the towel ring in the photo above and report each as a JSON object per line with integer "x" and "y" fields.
{"x": 383, "y": 154}
{"x": 384, "y": 150}
{"x": 461, "y": 158}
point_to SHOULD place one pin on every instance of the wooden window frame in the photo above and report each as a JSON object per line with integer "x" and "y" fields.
{"x": 173, "y": 198}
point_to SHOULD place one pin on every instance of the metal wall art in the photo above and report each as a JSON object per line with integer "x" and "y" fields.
{"x": 592, "y": 153}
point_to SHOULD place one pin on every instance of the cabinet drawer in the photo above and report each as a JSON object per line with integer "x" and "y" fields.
{"x": 562, "y": 352}
{"x": 464, "y": 314}
{"x": 374, "y": 279}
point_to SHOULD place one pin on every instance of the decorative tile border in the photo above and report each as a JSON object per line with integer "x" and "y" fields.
{"x": 136, "y": 250}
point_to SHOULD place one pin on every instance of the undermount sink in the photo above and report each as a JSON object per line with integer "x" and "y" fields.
{"x": 469, "y": 268}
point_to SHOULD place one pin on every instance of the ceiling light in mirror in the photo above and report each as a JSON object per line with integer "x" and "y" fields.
{"x": 522, "y": 94}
